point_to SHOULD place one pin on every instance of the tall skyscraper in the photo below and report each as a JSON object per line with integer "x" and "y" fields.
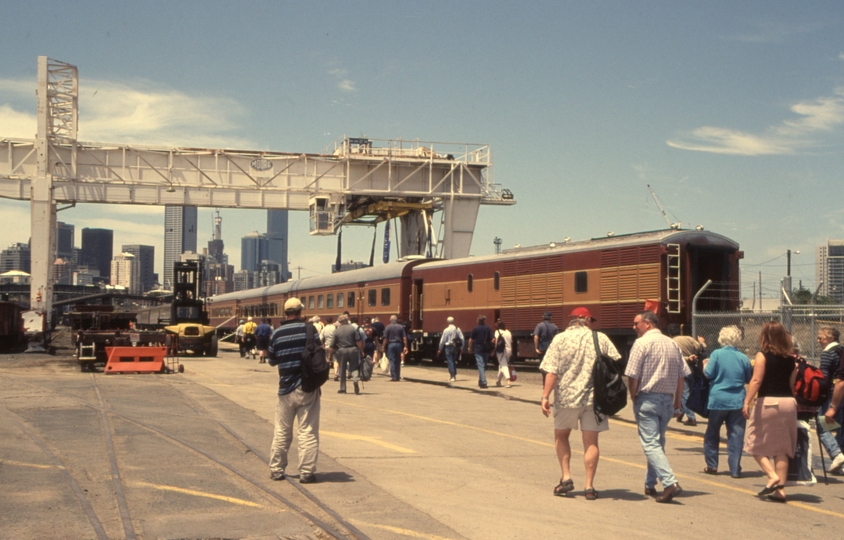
{"x": 97, "y": 250}
{"x": 277, "y": 237}
{"x": 65, "y": 233}
{"x": 179, "y": 237}
{"x": 145, "y": 256}
{"x": 254, "y": 248}
{"x": 829, "y": 269}
{"x": 125, "y": 271}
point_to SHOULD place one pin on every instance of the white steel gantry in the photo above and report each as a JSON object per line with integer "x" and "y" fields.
{"x": 359, "y": 181}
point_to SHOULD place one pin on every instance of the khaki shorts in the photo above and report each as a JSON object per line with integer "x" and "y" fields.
{"x": 567, "y": 418}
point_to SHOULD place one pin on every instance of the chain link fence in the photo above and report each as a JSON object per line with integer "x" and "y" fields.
{"x": 802, "y": 321}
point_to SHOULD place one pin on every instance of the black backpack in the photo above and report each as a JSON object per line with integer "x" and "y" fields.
{"x": 501, "y": 345}
{"x": 456, "y": 341}
{"x": 315, "y": 367}
{"x": 610, "y": 394}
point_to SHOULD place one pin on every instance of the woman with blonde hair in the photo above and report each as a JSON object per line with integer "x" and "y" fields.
{"x": 729, "y": 370}
{"x": 772, "y": 425}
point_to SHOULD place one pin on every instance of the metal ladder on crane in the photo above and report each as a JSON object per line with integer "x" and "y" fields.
{"x": 673, "y": 277}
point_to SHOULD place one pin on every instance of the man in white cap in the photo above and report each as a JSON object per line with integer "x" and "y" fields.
{"x": 285, "y": 351}
{"x": 568, "y": 362}
{"x": 451, "y": 343}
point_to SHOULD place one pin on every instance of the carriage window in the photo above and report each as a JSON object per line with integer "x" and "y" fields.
{"x": 310, "y": 302}
{"x": 469, "y": 282}
{"x": 385, "y": 296}
{"x": 330, "y": 301}
{"x": 580, "y": 283}
{"x": 496, "y": 280}
{"x": 372, "y": 297}
{"x": 339, "y": 299}
{"x": 320, "y": 302}
{"x": 303, "y": 300}
{"x": 351, "y": 299}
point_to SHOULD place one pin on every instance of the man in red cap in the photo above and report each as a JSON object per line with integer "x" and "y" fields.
{"x": 568, "y": 363}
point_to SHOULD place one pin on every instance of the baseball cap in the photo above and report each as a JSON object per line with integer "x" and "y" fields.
{"x": 582, "y": 313}
{"x": 293, "y": 305}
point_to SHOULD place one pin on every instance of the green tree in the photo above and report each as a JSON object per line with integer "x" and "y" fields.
{"x": 802, "y": 295}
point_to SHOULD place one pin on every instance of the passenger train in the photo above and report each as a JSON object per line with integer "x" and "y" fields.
{"x": 614, "y": 277}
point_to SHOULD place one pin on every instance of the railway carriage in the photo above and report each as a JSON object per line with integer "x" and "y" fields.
{"x": 380, "y": 291}
{"x": 614, "y": 277}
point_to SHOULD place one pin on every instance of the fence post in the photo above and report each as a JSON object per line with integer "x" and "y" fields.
{"x": 694, "y": 307}
{"x": 785, "y": 310}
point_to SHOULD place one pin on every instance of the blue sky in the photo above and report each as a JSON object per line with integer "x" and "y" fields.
{"x": 732, "y": 111}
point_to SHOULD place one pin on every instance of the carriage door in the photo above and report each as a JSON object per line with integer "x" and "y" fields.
{"x": 360, "y": 302}
{"x": 416, "y": 305}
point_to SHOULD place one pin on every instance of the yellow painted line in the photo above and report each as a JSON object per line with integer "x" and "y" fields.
{"x": 399, "y": 530}
{"x": 603, "y": 458}
{"x": 195, "y": 493}
{"x": 373, "y": 440}
{"x": 33, "y": 465}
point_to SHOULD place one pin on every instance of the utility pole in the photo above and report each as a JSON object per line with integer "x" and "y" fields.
{"x": 760, "y": 289}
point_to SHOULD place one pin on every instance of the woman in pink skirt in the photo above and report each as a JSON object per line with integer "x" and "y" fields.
{"x": 772, "y": 425}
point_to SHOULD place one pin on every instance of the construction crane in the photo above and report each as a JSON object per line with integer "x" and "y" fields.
{"x": 675, "y": 225}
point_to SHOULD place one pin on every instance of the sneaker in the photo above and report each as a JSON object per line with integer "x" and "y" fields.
{"x": 276, "y": 475}
{"x": 307, "y": 478}
{"x": 498, "y": 384}
{"x": 483, "y": 386}
{"x": 690, "y": 422}
{"x": 836, "y": 464}
{"x": 357, "y": 389}
{"x": 453, "y": 379}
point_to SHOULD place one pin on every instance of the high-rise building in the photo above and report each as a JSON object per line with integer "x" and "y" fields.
{"x": 125, "y": 271}
{"x": 242, "y": 280}
{"x": 267, "y": 274}
{"x": 829, "y": 269}
{"x": 97, "y": 250}
{"x": 145, "y": 255}
{"x": 254, "y": 248}
{"x": 65, "y": 238}
{"x": 277, "y": 239}
{"x": 16, "y": 257}
{"x": 179, "y": 237}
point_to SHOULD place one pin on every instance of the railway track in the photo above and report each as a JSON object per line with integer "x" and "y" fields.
{"x": 122, "y": 488}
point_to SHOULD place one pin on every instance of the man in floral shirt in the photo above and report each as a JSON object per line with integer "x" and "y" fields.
{"x": 568, "y": 362}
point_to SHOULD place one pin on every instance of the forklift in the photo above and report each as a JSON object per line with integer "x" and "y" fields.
{"x": 189, "y": 329}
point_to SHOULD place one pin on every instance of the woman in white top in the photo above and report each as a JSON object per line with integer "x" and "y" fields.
{"x": 502, "y": 334}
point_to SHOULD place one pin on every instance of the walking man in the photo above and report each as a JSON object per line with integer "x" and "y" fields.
{"x": 347, "y": 347}
{"x": 249, "y": 336}
{"x": 828, "y": 337}
{"x": 285, "y": 351}
{"x": 692, "y": 349}
{"x": 543, "y": 334}
{"x": 451, "y": 343}
{"x": 238, "y": 335}
{"x": 481, "y": 343}
{"x": 262, "y": 340}
{"x": 568, "y": 363}
{"x": 655, "y": 373}
{"x": 395, "y": 339}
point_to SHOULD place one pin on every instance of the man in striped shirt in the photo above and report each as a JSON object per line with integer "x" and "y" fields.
{"x": 655, "y": 373}
{"x": 285, "y": 351}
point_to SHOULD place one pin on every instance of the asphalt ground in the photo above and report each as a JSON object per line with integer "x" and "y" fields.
{"x": 184, "y": 456}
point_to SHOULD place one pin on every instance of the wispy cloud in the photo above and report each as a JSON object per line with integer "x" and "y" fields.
{"x": 344, "y": 83}
{"x": 775, "y": 31}
{"x": 813, "y": 117}
{"x": 140, "y": 113}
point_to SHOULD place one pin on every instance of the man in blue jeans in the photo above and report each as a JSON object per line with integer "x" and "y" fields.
{"x": 395, "y": 340}
{"x": 451, "y": 343}
{"x": 655, "y": 373}
{"x": 828, "y": 337}
{"x": 481, "y": 342}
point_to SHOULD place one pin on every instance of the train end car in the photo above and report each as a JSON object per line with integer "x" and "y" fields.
{"x": 614, "y": 277}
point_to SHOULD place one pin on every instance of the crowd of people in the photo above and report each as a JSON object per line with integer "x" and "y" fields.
{"x": 754, "y": 400}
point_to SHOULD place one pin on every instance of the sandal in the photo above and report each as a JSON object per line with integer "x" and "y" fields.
{"x": 709, "y": 470}
{"x": 591, "y": 494}
{"x": 563, "y": 487}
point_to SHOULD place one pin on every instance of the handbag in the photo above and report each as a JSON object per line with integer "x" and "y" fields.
{"x": 698, "y": 399}
{"x": 512, "y": 373}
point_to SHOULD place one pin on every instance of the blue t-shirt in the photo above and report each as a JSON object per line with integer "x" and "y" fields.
{"x": 285, "y": 351}
{"x": 728, "y": 370}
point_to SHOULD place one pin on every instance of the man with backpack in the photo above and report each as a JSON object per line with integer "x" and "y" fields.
{"x": 828, "y": 337}
{"x": 451, "y": 343}
{"x": 543, "y": 334}
{"x": 568, "y": 363}
{"x": 285, "y": 351}
{"x": 481, "y": 343}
